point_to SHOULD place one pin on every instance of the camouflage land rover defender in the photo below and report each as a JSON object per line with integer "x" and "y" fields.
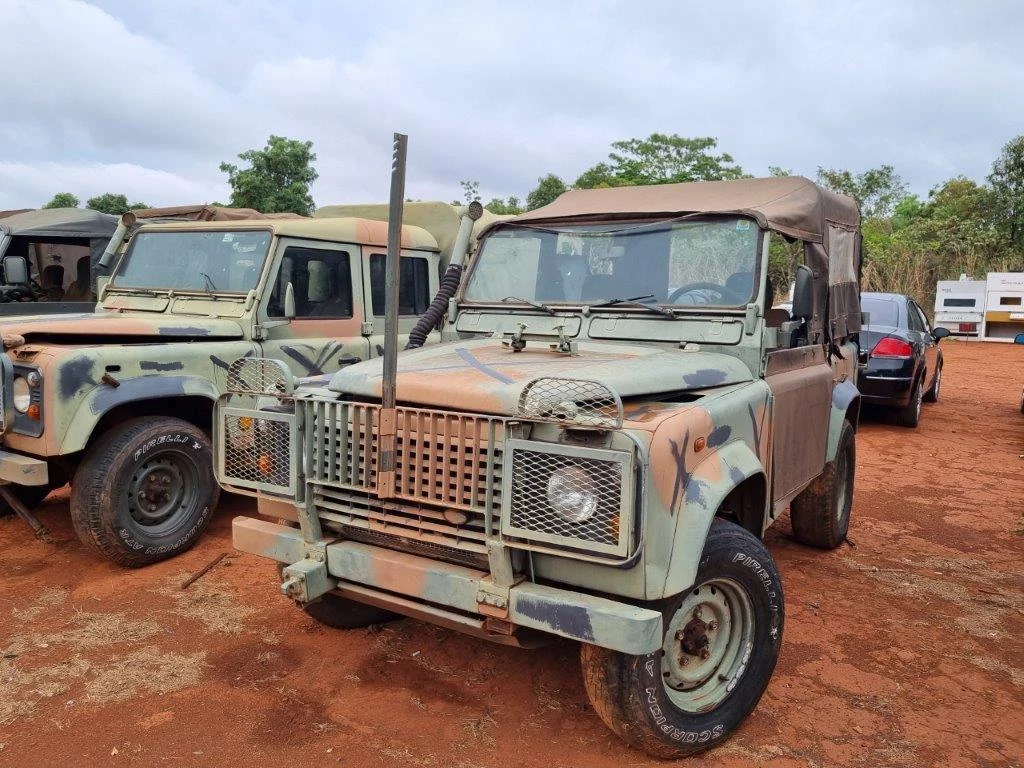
{"x": 613, "y": 419}
{"x": 119, "y": 402}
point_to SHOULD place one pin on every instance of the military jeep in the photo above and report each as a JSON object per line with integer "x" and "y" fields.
{"x": 119, "y": 401}
{"x": 613, "y": 419}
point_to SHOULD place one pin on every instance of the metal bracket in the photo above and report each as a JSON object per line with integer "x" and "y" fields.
{"x": 516, "y": 341}
{"x": 492, "y": 600}
{"x": 564, "y": 344}
{"x": 307, "y": 579}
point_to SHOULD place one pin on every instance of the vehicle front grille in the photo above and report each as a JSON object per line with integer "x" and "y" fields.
{"x": 450, "y": 459}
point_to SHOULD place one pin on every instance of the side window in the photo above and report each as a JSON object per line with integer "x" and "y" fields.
{"x": 923, "y": 318}
{"x": 413, "y": 287}
{"x": 914, "y": 320}
{"x": 321, "y": 281}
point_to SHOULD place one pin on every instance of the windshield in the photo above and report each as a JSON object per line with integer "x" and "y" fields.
{"x": 683, "y": 263}
{"x": 194, "y": 261}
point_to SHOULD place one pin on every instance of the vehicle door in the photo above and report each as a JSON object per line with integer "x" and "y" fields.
{"x": 418, "y": 282}
{"x": 929, "y": 345}
{"x": 326, "y": 332}
{"x": 801, "y": 383}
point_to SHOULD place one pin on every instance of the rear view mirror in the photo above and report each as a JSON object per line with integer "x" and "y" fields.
{"x": 289, "y": 301}
{"x": 16, "y": 270}
{"x": 940, "y": 333}
{"x": 803, "y": 296}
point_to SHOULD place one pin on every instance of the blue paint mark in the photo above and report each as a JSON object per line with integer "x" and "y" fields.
{"x": 695, "y": 491}
{"x": 571, "y": 620}
{"x": 705, "y": 377}
{"x": 736, "y": 475}
{"x": 73, "y": 375}
{"x": 467, "y": 356}
{"x": 719, "y": 436}
{"x": 150, "y": 365}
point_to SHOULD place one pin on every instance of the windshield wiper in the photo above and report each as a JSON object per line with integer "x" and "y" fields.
{"x": 635, "y": 301}
{"x": 209, "y": 282}
{"x": 534, "y": 304}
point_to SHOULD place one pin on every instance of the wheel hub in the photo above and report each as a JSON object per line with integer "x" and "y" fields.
{"x": 157, "y": 490}
{"x": 707, "y": 644}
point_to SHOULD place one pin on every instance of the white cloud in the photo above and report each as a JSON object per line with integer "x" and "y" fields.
{"x": 498, "y": 93}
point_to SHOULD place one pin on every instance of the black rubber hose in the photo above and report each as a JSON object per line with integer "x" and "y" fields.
{"x": 429, "y": 320}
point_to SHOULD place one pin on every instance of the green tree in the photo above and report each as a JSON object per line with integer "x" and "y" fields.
{"x": 277, "y": 178}
{"x": 660, "y": 159}
{"x": 777, "y": 171}
{"x": 507, "y": 207}
{"x": 470, "y": 190}
{"x": 1007, "y": 180}
{"x": 548, "y": 188}
{"x": 63, "y": 200}
{"x": 877, "y": 190}
{"x": 112, "y": 203}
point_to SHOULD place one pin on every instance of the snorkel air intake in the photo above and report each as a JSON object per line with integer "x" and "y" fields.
{"x": 430, "y": 319}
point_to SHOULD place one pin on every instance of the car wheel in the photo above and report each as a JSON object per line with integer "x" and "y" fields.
{"x": 29, "y": 495}
{"x": 145, "y": 491}
{"x": 820, "y": 514}
{"x": 721, "y": 642}
{"x": 341, "y": 613}
{"x": 932, "y": 395}
{"x": 910, "y": 414}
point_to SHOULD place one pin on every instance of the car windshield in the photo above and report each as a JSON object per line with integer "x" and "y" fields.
{"x": 880, "y": 311}
{"x": 226, "y": 262}
{"x": 684, "y": 263}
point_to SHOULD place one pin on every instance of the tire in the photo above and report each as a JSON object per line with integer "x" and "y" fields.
{"x": 820, "y": 514}
{"x": 932, "y": 395}
{"x": 669, "y": 709}
{"x": 29, "y": 495}
{"x": 166, "y": 463}
{"x": 910, "y": 414}
{"x": 341, "y": 613}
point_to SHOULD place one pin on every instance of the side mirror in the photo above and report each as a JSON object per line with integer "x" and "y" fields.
{"x": 803, "y": 296}
{"x": 16, "y": 270}
{"x": 940, "y": 333}
{"x": 289, "y": 302}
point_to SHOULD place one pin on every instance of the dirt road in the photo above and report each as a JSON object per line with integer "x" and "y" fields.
{"x": 904, "y": 649}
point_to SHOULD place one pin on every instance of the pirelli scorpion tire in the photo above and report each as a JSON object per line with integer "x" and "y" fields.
{"x": 341, "y": 613}
{"x": 144, "y": 491}
{"x": 721, "y": 642}
{"x": 820, "y": 514}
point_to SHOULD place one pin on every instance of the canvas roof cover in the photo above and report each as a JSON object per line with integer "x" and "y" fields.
{"x": 60, "y": 222}
{"x": 791, "y": 205}
{"x": 209, "y": 213}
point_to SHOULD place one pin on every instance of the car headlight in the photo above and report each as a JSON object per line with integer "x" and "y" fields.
{"x": 22, "y": 394}
{"x": 572, "y": 494}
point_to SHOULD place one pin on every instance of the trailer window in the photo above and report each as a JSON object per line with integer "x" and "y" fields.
{"x": 959, "y": 302}
{"x": 1009, "y": 301}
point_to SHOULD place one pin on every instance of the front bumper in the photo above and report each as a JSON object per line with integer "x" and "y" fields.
{"x": 451, "y": 594}
{"x": 23, "y": 470}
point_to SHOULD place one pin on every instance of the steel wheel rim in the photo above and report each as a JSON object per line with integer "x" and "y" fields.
{"x": 163, "y": 487}
{"x": 694, "y": 682}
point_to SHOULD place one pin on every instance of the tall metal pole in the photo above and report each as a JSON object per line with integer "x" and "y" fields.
{"x": 386, "y": 428}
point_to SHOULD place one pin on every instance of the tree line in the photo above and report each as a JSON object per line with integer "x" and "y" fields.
{"x": 962, "y": 226}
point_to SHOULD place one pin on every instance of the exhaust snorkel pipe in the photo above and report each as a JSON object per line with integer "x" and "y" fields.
{"x": 127, "y": 222}
{"x": 450, "y": 282}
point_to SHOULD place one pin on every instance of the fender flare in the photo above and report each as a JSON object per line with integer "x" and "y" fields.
{"x": 710, "y": 483}
{"x": 104, "y": 398}
{"x": 844, "y": 397}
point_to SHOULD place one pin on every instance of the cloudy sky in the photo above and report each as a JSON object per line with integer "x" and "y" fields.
{"x": 147, "y": 98}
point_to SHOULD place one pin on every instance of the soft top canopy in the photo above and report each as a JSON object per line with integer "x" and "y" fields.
{"x": 60, "y": 222}
{"x": 791, "y": 205}
{"x": 209, "y": 213}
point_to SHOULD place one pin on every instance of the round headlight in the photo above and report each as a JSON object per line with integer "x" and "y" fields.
{"x": 22, "y": 394}
{"x": 572, "y": 494}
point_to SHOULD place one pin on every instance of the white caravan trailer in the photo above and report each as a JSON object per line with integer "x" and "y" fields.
{"x": 960, "y": 306}
{"x": 1004, "y": 306}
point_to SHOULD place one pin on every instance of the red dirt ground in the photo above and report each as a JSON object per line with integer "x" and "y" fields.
{"x": 905, "y": 648}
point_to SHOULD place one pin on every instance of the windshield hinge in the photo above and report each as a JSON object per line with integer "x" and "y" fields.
{"x": 259, "y": 333}
{"x": 366, "y": 329}
{"x": 750, "y": 319}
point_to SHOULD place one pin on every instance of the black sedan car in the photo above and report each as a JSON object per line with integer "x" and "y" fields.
{"x": 900, "y": 359}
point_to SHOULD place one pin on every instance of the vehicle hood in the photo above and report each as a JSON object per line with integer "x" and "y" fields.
{"x": 485, "y": 376}
{"x": 115, "y": 327}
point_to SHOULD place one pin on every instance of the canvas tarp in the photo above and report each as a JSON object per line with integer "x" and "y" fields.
{"x": 209, "y": 213}
{"x": 60, "y": 222}
{"x": 827, "y": 223}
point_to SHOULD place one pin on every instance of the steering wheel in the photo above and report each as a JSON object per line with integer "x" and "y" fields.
{"x": 727, "y": 295}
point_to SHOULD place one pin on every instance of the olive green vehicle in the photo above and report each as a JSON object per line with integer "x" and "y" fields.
{"x": 613, "y": 419}
{"x": 119, "y": 401}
